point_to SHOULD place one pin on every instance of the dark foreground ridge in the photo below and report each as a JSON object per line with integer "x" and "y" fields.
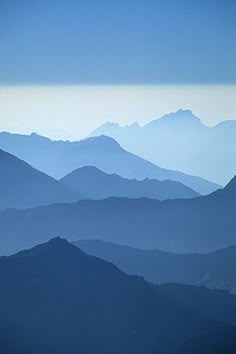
{"x": 56, "y": 299}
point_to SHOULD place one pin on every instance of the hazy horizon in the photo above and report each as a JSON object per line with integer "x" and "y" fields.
{"x": 73, "y": 112}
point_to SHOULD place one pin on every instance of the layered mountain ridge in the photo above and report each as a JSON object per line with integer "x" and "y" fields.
{"x": 180, "y": 141}
{"x": 201, "y": 224}
{"x": 22, "y": 186}
{"x": 214, "y": 270}
{"x": 55, "y": 298}
{"x": 96, "y": 184}
{"x": 58, "y": 158}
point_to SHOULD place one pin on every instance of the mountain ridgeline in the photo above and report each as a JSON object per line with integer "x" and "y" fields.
{"x": 58, "y": 158}
{"x": 182, "y": 142}
{"x": 170, "y": 290}
{"x": 201, "y": 224}
{"x": 96, "y": 184}
{"x": 22, "y": 186}
{"x": 216, "y": 270}
{"x": 56, "y": 299}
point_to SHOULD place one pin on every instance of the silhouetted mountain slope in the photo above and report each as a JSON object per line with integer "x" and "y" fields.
{"x": 214, "y": 270}
{"x": 22, "y": 186}
{"x": 180, "y": 141}
{"x": 58, "y": 158}
{"x": 96, "y": 184}
{"x": 56, "y": 299}
{"x": 200, "y": 224}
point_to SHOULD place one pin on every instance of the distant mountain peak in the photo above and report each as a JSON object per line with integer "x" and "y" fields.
{"x": 99, "y": 144}
{"x": 185, "y": 116}
{"x": 101, "y": 141}
{"x": 184, "y": 111}
{"x": 111, "y": 128}
{"x": 39, "y": 137}
{"x": 89, "y": 168}
{"x": 110, "y": 125}
{"x": 56, "y": 244}
{"x": 56, "y": 240}
{"x": 133, "y": 125}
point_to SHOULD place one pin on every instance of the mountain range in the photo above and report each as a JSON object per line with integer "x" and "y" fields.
{"x": 180, "y": 141}
{"x": 201, "y": 224}
{"x": 214, "y": 270}
{"x": 58, "y": 158}
{"x": 56, "y": 299}
{"x": 22, "y": 186}
{"x": 96, "y": 184}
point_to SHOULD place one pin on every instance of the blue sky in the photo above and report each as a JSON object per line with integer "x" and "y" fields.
{"x": 117, "y": 42}
{"x": 67, "y": 66}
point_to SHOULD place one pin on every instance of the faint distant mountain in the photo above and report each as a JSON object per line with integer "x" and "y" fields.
{"x": 58, "y": 158}
{"x": 200, "y": 224}
{"x": 22, "y": 186}
{"x": 214, "y": 270}
{"x": 57, "y": 299}
{"x": 181, "y": 142}
{"x": 96, "y": 184}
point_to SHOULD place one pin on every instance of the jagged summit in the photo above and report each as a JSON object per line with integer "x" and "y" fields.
{"x": 57, "y": 159}
{"x": 56, "y": 245}
{"x": 134, "y": 125}
{"x": 181, "y": 141}
{"x": 111, "y": 127}
{"x": 57, "y": 292}
{"x": 181, "y": 116}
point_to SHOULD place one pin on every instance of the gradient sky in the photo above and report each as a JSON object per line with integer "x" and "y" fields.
{"x": 122, "y": 41}
{"x": 67, "y": 66}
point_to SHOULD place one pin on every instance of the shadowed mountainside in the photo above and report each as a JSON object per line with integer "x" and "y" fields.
{"x": 22, "y": 186}
{"x": 200, "y": 224}
{"x": 214, "y": 270}
{"x": 96, "y": 184}
{"x": 54, "y": 298}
